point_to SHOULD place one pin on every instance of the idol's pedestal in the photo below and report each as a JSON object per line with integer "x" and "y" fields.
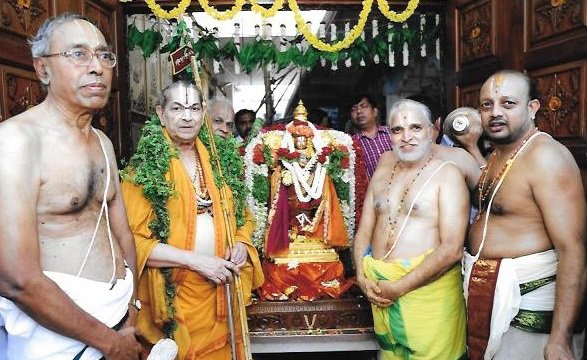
{"x": 311, "y": 326}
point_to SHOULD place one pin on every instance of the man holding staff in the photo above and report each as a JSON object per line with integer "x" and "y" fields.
{"x": 176, "y": 214}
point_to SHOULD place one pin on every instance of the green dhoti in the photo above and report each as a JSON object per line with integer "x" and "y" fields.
{"x": 427, "y": 323}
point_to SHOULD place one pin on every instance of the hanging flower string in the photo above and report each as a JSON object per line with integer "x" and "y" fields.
{"x": 222, "y": 15}
{"x": 172, "y": 14}
{"x": 344, "y": 43}
{"x": 392, "y": 15}
{"x": 267, "y": 13}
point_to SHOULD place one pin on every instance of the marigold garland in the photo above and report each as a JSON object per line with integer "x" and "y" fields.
{"x": 222, "y": 15}
{"x": 266, "y": 13}
{"x": 172, "y": 14}
{"x": 344, "y": 43}
{"x": 392, "y": 15}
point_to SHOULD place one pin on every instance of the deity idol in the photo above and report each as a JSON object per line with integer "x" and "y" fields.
{"x": 302, "y": 183}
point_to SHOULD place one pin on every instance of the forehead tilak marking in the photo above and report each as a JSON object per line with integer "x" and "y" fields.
{"x": 182, "y": 88}
{"x": 497, "y": 82}
{"x": 80, "y": 24}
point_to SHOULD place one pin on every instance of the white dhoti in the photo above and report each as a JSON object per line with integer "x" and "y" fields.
{"x": 3, "y": 340}
{"x": 507, "y": 298}
{"x": 28, "y": 340}
{"x": 522, "y": 345}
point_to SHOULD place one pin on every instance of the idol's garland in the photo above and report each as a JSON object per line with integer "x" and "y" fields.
{"x": 333, "y": 155}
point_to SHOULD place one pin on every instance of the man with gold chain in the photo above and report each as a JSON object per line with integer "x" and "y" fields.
{"x": 525, "y": 264}
{"x": 410, "y": 242}
{"x": 175, "y": 212}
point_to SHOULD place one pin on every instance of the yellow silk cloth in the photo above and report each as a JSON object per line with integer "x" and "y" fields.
{"x": 428, "y": 323}
{"x": 201, "y": 311}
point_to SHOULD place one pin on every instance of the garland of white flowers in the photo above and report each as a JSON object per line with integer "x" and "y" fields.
{"x": 273, "y": 140}
{"x": 300, "y": 176}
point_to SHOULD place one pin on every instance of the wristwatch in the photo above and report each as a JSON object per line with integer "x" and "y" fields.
{"x": 136, "y": 303}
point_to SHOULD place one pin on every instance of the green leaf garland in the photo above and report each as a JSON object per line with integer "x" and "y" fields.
{"x": 257, "y": 53}
{"x": 233, "y": 171}
{"x": 147, "y": 168}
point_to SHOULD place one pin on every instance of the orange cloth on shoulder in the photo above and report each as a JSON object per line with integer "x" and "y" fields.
{"x": 201, "y": 312}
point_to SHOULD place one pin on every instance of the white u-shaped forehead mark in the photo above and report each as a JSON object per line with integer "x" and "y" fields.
{"x": 81, "y": 24}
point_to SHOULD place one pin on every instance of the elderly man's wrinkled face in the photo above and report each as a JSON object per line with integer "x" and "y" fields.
{"x": 222, "y": 117}
{"x": 79, "y": 87}
{"x": 182, "y": 114}
{"x": 411, "y": 134}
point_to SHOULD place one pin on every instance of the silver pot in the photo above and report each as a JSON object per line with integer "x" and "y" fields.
{"x": 460, "y": 121}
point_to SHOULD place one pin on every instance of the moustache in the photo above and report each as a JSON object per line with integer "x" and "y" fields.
{"x": 497, "y": 121}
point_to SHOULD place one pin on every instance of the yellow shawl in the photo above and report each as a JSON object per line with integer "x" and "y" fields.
{"x": 182, "y": 213}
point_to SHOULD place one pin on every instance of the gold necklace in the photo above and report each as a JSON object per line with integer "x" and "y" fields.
{"x": 393, "y": 220}
{"x": 203, "y": 201}
{"x": 484, "y": 189}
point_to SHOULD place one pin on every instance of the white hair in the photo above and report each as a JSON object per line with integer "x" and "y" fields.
{"x": 408, "y": 103}
{"x": 41, "y": 42}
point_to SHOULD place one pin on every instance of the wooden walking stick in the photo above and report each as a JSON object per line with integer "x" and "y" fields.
{"x": 240, "y": 303}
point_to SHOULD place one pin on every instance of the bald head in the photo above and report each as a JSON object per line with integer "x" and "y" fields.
{"x": 527, "y": 86}
{"x": 222, "y": 116}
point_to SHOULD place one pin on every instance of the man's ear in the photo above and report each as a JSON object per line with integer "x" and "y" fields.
{"x": 437, "y": 124}
{"x": 533, "y": 106}
{"x": 42, "y": 70}
{"x": 159, "y": 111}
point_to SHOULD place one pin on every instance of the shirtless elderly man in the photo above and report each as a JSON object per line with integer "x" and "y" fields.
{"x": 410, "y": 242}
{"x": 526, "y": 281}
{"x": 65, "y": 238}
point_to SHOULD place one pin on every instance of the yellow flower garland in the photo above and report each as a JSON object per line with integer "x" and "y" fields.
{"x": 266, "y": 13}
{"x": 222, "y": 15}
{"x": 344, "y": 43}
{"x": 172, "y": 14}
{"x": 392, "y": 15}
{"x": 304, "y": 30}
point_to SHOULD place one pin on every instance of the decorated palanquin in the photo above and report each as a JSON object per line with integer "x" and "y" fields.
{"x": 303, "y": 184}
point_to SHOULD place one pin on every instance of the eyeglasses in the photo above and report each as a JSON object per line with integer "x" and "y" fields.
{"x": 83, "y": 57}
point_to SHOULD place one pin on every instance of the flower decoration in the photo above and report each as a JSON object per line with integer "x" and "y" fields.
{"x": 274, "y": 127}
{"x": 282, "y": 152}
{"x": 327, "y": 150}
{"x": 258, "y": 157}
{"x": 266, "y": 13}
{"x": 335, "y": 156}
{"x": 344, "y": 162}
{"x": 286, "y": 177}
{"x": 172, "y": 14}
{"x": 344, "y": 43}
{"x": 301, "y": 130}
{"x": 392, "y": 15}
{"x": 222, "y": 15}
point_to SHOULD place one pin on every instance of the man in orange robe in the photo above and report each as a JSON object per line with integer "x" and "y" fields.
{"x": 184, "y": 265}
